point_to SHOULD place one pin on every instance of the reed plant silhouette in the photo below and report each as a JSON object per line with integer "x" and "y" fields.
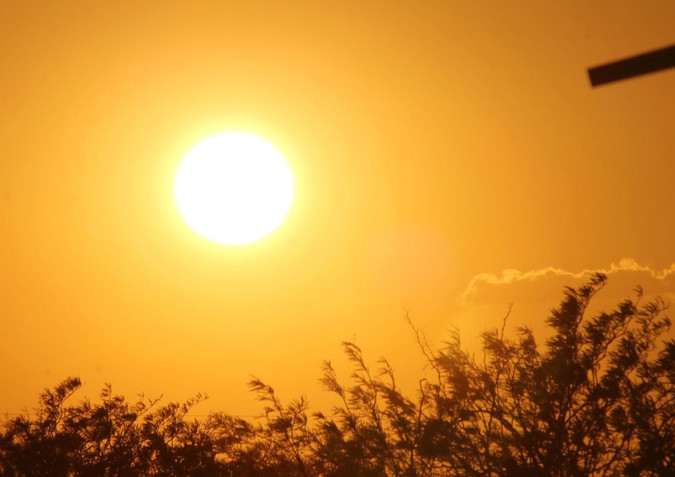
{"x": 597, "y": 399}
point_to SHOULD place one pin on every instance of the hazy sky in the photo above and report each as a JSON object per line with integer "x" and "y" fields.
{"x": 433, "y": 145}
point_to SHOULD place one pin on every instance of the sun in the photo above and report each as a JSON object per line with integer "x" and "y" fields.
{"x": 233, "y": 188}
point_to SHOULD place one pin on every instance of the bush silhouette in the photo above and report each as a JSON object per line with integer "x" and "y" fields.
{"x": 598, "y": 399}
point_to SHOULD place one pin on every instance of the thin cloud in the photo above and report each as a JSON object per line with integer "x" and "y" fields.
{"x": 511, "y": 275}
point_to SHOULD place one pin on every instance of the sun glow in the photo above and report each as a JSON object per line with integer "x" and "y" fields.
{"x": 233, "y": 188}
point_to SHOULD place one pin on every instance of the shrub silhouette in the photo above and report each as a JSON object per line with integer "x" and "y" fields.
{"x": 598, "y": 399}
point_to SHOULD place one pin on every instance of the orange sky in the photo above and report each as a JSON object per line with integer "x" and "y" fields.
{"x": 430, "y": 142}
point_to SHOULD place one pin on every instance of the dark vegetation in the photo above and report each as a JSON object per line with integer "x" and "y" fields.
{"x": 598, "y": 399}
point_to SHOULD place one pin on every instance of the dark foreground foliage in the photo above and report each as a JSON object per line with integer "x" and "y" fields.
{"x": 599, "y": 399}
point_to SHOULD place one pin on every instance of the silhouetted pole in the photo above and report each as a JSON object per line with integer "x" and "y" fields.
{"x": 650, "y": 62}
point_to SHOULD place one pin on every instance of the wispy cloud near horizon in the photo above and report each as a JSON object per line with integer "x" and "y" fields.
{"x": 510, "y": 275}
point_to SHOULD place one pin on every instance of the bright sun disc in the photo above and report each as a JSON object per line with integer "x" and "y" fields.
{"x": 233, "y": 188}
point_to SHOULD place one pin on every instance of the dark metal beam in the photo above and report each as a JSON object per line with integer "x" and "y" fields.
{"x": 650, "y": 62}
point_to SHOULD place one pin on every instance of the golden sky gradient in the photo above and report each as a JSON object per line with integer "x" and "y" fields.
{"x": 433, "y": 145}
